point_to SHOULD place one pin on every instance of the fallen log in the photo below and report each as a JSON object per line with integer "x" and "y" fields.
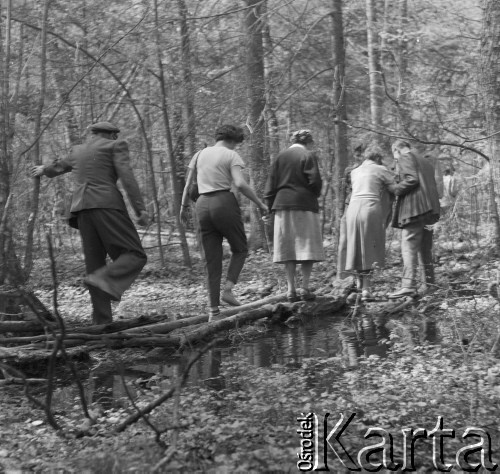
{"x": 254, "y": 304}
{"x": 181, "y": 333}
{"x": 149, "y": 339}
{"x": 120, "y": 325}
{"x": 154, "y": 331}
{"x": 20, "y": 381}
{"x": 36, "y": 329}
{"x": 16, "y": 327}
{"x": 142, "y": 325}
{"x": 33, "y": 355}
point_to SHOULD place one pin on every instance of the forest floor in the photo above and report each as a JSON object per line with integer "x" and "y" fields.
{"x": 250, "y": 424}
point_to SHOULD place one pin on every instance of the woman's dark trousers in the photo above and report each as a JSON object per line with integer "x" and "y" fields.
{"x": 219, "y": 216}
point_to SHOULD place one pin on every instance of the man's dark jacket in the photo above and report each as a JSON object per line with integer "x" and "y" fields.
{"x": 97, "y": 165}
{"x": 416, "y": 190}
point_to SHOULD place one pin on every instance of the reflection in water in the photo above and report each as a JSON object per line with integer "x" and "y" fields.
{"x": 102, "y": 390}
{"x": 366, "y": 335}
{"x": 429, "y": 331}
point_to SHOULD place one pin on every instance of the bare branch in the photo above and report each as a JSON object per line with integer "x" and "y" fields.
{"x": 156, "y": 403}
{"x": 421, "y": 140}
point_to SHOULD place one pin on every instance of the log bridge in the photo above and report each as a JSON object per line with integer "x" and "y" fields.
{"x": 27, "y": 342}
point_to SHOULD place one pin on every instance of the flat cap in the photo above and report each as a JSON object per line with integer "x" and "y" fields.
{"x": 103, "y": 127}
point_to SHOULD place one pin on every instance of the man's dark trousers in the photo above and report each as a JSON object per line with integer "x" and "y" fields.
{"x": 109, "y": 232}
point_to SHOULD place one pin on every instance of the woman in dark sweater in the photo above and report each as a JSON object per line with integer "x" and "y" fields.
{"x": 292, "y": 192}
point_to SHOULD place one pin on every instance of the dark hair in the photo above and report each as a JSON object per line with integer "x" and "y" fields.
{"x": 374, "y": 152}
{"x": 229, "y": 132}
{"x": 302, "y": 136}
{"x": 398, "y": 144}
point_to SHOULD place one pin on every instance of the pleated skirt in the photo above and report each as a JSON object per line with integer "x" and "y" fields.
{"x": 297, "y": 237}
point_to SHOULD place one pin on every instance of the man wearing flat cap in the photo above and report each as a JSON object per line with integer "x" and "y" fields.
{"x": 99, "y": 212}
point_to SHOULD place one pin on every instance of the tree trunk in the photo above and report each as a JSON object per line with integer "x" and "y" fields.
{"x": 10, "y": 267}
{"x": 339, "y": 107}
{"x": 187, "y": 80}
{"x": 176, "y": 201}
{"x": 28, "y": 255}
{"x": 402, "y": 59}
{"x": 271, "y": 77}
{"x": 490, "y": 75}
{"x": 383, "y": 40}
{"x": 256, "y": 90}
{"x": 374, "y": 72}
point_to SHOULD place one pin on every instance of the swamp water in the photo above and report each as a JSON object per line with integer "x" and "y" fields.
{"x": 282, "y": 344}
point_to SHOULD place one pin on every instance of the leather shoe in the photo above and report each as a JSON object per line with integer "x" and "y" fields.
{"x": 402, "y": 293}
{"x": 228, "y": 297}
{"x": 97, "y": 282}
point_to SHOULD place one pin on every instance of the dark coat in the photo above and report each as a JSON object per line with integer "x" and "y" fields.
{"x": 416, "y": 191}
{"x": 294, "y": 181}
{"x": 97, "y": 165}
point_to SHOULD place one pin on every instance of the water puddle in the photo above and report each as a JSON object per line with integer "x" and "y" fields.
{"x": 335, "y": 336}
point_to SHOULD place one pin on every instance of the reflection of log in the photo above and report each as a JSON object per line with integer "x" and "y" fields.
{"x": 188, "y": 331}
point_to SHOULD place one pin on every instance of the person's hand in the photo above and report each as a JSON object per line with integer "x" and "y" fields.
{"x": 184, "y": 214}
{"x": 36, "y": 171}
{"x": 143, "y": 219}
{"x": 266, "y": 216}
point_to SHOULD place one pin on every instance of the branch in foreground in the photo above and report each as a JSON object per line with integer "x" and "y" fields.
{"x": 156, "y": 403}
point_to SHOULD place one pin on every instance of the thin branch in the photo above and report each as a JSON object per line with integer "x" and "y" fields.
{"x": 158, "y": 432}
{"x": 156, "y": 403}
{"x": 309, "y": 79}
{"x": 67, "y": 94}
{"x": 420, "y": 140}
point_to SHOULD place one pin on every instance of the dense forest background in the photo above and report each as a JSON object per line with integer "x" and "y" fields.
{"x": 168, "y": 72}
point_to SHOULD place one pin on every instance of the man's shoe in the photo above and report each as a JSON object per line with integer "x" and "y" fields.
{"x": 101, "y": 319}
{"x": 97, "y": 282}
{"x": 402, "y": 293}
{"x": 228, "y": 297}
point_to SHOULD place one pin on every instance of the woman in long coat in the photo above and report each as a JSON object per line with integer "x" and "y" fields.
{"x": 292, "y": 192}
{"x": 367, "y": 217}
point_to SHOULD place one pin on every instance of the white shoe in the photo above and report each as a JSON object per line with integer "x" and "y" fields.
{"x": 402, "y": 293}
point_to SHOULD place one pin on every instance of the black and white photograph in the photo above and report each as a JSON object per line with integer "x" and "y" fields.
{"x": 249, "y": 236}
